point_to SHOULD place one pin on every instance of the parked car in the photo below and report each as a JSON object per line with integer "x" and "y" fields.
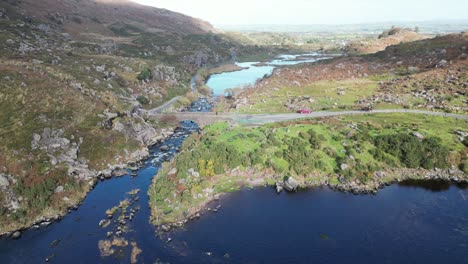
{"x": 304, "y": 111}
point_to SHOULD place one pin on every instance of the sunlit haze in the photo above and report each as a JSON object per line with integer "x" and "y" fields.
{"x": 244, "y": 12}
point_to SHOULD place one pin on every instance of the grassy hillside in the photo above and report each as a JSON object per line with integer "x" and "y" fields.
{"x": 75, "y": 77}
{"x": 425, "y": 74}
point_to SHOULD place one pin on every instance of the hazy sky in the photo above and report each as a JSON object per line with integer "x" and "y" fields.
{"x": 239, "y": 12}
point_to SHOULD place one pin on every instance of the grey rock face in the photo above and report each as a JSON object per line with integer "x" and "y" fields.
{"x": 344, "y": 166}
{"x": 198, "y": 59}
{"x": 279, "y": 187}
{"x": 101, "y": 68}
{"x": 59, "y": 148}
{"x": 16, "y": 235}
{"x": 59, "y": 189}
{"x": 442, "y": 64}
{"x": 81, "y": 171}
{"x": 418, "y": 135}
{"x": 290, "y": 184}
{"x": 4, "y": 183}
{"x": 166, "y": 74}
{"x": 193, "y": 173}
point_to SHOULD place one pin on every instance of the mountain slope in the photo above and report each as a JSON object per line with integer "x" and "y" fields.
{"x": 424, "y": 74}
{"x": 93, "y": 16}
{"x": 75, "y": 76}
{"x": 390, "y": 37}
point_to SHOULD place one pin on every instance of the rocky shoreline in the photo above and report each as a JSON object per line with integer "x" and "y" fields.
{"x": 116, "y": 170}
{"x": 381, "y": 180}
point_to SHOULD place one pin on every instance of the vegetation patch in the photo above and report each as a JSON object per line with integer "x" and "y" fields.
{"x": 355, "y": 153}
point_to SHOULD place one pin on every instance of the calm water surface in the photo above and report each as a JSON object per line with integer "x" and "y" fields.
{"x": 220, "y": 82}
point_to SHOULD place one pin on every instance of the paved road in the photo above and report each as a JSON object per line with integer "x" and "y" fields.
{"x": 271, "y": 118}
{"x": 163, "y": 107}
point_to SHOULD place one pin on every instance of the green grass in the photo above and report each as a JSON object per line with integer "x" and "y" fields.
{"x": 311, "y": 151}
{"x": 324, "y": 93}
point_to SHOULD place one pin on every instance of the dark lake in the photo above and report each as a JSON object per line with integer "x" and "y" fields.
{"x": 401, "y": 224}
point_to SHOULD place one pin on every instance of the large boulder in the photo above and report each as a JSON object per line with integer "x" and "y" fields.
{"x": 81, "y": 171}
{"x": 59, "y": 189}
{"x": 290, "y": 184}
{"x": 4, "y": 183}
{"x": 279, "y": 187}
{"x": 16, "y": 235}
{"x": 172, "y": 172}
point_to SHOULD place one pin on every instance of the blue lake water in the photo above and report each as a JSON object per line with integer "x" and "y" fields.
{"x": 401, "y": 224}
{"x": 238, "y": 79}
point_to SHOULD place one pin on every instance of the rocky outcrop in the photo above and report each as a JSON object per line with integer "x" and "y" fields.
{"x": 290, "y": 184}
{"x": 4, "y": 183}
{"x": 61, "y": 150}
{"x": 81, "y": 171}
{"x": 11, "y": 202}
{"x": 58, "y": 148}
{"x": 133, "y": 125}
{"x": 166, "y": 74}
{"x": 199, "y": 59}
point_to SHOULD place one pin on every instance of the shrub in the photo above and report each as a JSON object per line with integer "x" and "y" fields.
{"x": 465, "y": 141}
{"x": 411, "y": 151}
{"x": 464, "y": 166}
{"x": 145, "y": 75}
{"x": 315, "y": 139}
{"x": 143, "y": 100}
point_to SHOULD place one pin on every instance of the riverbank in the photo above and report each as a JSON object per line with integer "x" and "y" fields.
{"x": 250, "y": 178}
{"x": 71, "y": 200}
{"x": 358, "y": 154}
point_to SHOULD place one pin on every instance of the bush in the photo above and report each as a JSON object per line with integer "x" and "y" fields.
{"x": 315, "y": 139}
{"x": 465, "y": 141}
{"x": 143, "y": 100}
{"x": 464, "y": 166}
{"x": 411, "y": 151}
{"x": 145, "y": 75}
{"x": 300, "y": 159}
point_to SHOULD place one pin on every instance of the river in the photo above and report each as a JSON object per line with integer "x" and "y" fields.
{"x": 255, "y": 70}
{"x": 413, "y": 222}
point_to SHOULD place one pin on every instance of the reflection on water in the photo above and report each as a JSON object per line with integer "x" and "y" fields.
{"x": 432, "y": 185}
{"x": 397, "y": 225}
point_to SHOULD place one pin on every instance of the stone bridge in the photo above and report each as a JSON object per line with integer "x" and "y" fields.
{"x": 202, "y": 119}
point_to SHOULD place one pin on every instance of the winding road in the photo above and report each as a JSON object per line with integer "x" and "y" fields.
{"x": 163, "y": 107}
{"x": 258, "y": 119}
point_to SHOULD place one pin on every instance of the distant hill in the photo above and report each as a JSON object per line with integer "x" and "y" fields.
{"x": 111, "y": 17}
{"x": 426, "y": 27}
{"x": 387, "y": 38}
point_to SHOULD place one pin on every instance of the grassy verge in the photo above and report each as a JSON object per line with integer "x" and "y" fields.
{"x": 322, "y": 95}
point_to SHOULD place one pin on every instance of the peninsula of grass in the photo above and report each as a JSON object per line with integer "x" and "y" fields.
{"x": 357, "y": 153}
